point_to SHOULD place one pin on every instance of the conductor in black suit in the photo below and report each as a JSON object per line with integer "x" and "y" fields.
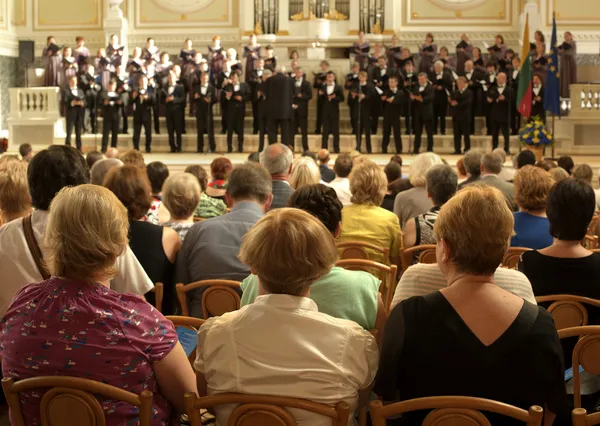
{"x": 422, "y": 105}
{"x": 302, "y": 95}
{"x": 75, "y": 102}
{"x": 331, "y": 94}
{"x": 366, "y": 94}
{"x": 500, "y": 99}
{"x": 205, "y": 96}
{"x": 279, "y": 94}
{"x": 461, "y": 101}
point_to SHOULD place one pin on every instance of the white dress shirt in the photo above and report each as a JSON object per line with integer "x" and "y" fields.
{"x": 276, "y": 346}
{"x": 501, "y": 89}
{"x": 330, "y": 88}
{"x": 203, "y": 89}
{"x": 236, "y": 87}
{"x": 18, "y": 269}
{"x": 342, "y": 189}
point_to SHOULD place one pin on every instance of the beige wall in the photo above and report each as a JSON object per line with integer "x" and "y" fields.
{"x": 490, "y": 10}
{"x": 19, "y": 8}
{"x": 218, "y": 12}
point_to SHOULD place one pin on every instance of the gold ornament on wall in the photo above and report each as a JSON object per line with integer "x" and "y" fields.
{"x": 297, "y": 17}
{"x": 334, "y": 15}
{"x": 458, "y": 14}
{"x": 376, "y": 29}
{"x": 258, "y": 29}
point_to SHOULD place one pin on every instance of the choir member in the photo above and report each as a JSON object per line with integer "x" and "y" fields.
{"x": 501, "y": 99}
{"x": 332, "y": 94}
{"x": 135, "y": 66}
{"x": 405, "y": 56}
{"x": 461, "y": 101}
{"x": 162, "y": 70}
{"x": 505, "y": 64}
{"x": 68, "y": 67}
{"x": 320, "y": 78}
{"x": 474, "y": 76}
{"x": 114, "y": 52}
{"x": 302, "y": 96}
{"x": 174, "y": 98}
{"x": 427, "y": 52}
{"x": 254, "y": 82}
{"x": 236, "y": 94}
{"x": 410, "y": 82}
{"x": 568, "y": 64}
{"x": 513, "y": 81}
{"x": 81, "y": 53}
{"x": 477, "y": 58}
{"x": 448, "y": 62}
{"x": 393, "y": 53}
{"x": 366, "y": 95}
{"x": 144, "y": 99}
{"x": 150, "y": 51}
{"x": 262, "y": 109}
{"x": 538, "y": 38}
{"x": 442, "y": 80}
{"x": 51, "y": 55}
{"x": 234, "y": 64}
{"x": 217, "y": 57}
{"x": 154, "y": 83}
{"x": 380, "y": 77}
{"x": 75, "y": 106}
{"x": 498, "y": 50}
{"x": 293, "y": 65}
{"x": 111, "y": 102}
{"x": 464, "y": 52}
{"x": 104, "y": 68}
{"x": 361, "y": 49}
{"x": 270, "y": 59}
{"x": 87, "y": 83}
{"x": 422, "y": 106}
{"x": 123, "y": 91}
{"x": 490, "y": 81}
{"x": 224, "y": 79}
{"x": 373, "y": 59}
{"x": 392, "y": 97}
{"x": 186, "y": 57}
{"x": 179, "y": 80}
{"x": 294, "y": 56}
{"x": 205, "y": 96}
{"x": 351, "y": 81}
{"x": 200, "y": 67}
{"x": 540, "y": 60}
{"x": 537, "y": 104}
{"x": 252, "y": 55}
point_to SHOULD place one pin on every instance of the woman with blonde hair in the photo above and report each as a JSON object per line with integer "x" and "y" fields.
{"x": 15, "y": 200}
{"x": 304, "y": 172}
{"x": 181, "y": 195}
{"x": 365, "y": 220}
{"x": 92, "y": 332}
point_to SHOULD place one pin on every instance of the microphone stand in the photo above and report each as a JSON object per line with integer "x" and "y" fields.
{"x": 509, "y": 86}
{"x": 410, "y": 119}
{"x": 359, "y": 130}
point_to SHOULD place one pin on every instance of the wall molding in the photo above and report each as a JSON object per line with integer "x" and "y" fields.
{"x": 94, "y": 24}
{"x": 411, "y": 18}
{"x": 9, "y": 45}
{"x": 226, "y": 20}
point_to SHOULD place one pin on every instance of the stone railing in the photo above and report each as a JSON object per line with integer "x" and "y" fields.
{"x": 34, "y": 102}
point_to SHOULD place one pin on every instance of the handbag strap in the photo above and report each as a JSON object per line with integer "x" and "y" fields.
{"x": 34, "y": 248}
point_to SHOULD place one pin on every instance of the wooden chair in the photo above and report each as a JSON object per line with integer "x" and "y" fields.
{"x": 218, "y": 298}
{"x": 590, "y": 242}
{"x": 71, "y": 401}
{"x": 580, "y": 417}
{"x": 568, "y": 310}
{"x": 455, "y": 410}
{"x": 198, "y": 219}
{"x": 592, "y": 227}
{"x": 259, "y": 410}
{"x": 190, "y": 323}
{"x": 512, "y": 256}
{"x": 159, "y": 293}
{"x": 586, "y": 354}
{"x": 427, "y": 255}
{"x": 357, "y": 250}
{"x": 387, "y": 275}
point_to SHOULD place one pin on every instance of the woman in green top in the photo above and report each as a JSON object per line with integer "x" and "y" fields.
{"x": 208, "y": 206}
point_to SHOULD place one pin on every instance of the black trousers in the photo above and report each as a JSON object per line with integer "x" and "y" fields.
{"x": 419, "y": 123}
{"x": 320, "y": 101}
{"x": 273, "y": 124}
{"x": 174, "y": 116}
{"x": 363, "y": 127}
{"x": 461, "y": 129}
{"x": 155, "y": 116}
{"x": 497, "y": 127}
{"x": 353, "y": 110}
{"x": 376, "y": 111}
{"x": 300, "y": 121}
{"x": 90, "y": 123}
{"x": 123, "y": 112}
{"x": 440, "y": 108}
{"x": 205, "y": 124}
{"x": 144, "y": 121}
{"x": 331, "y": 126}
{"x": 224, "y": 118}
{"x": 235, "y": 122}
{"x": 255, "y": 116}
{"x": 407, "y": 108}
{"x": 487, "y": 111}
{"x": 110, "y": 125}
{"x": 391, "y": 122}
{"x": 262, "y": 131}
{"x": 74, "y": 121}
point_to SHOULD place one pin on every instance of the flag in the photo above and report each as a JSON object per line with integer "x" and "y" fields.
{"x": 552, "y": 91}
{"x": 524, "y": 95}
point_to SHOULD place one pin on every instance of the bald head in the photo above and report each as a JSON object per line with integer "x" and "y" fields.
{"x": 112, "y": 152}
{"x": 101, "y": 168}
{"x": 323, "y": 156}
{"x": 277, "y": 159}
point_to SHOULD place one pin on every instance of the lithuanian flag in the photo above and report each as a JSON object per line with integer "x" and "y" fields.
{"x": 524, "y": 94}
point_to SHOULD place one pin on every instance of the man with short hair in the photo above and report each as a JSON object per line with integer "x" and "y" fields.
{"x": 472, "y": 163}
{"x": 327, "y": 175}
{"x": 341, "y": 184}
{"x": 491, "y": 166}
{"x": 506, "y": 174}
{"x": 527, "y": 158}
{"x": 302, "y": 95}
{"x": 101, "y": 168}
{"x": 500, "y": 99}
{"x": 279, "y": 94}
{"x": 277, "y": 159}
{"x": 92, "y": 158}
{"x": 26, "y": 152}
{"x": 112, "y": 152}
{"x": 461, "y": 101}
{"x": 422, "y": 104}
{"x": 211, "y": 247}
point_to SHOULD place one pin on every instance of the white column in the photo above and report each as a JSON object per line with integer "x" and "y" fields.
{"x": 354, "y": 15}
{"x": 393, "y": 15}
{"x": 284, "y": 17}
{"x": 116, "y": 23}
{"x": 532, "y": 8}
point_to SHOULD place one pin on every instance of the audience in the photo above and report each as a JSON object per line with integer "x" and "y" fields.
{"x": 558, "y": 174}
{"x": 101, "y": 168}
{"x": 132, "y": 157}
{"x": 112, "y": 152}
{"x": 341, "y": 184}
{"x": 546, "y": 165}
{"x": 494, "y": 344}
{"x": 242, "y": 351}
{"x": 277, "y": 159}
{"x": 441, "y": 183}
{"x": 341, "y": 293}
{"x": 253, "y": 157}
{"x": 181, "y": 197}
{"x": 304, "y": 172}
{"x": 461, "y": 171}
{"x": 472, "y": 163}
{"x": 92, "y": 158}
{"x": 15, "y": 201}
{"x": 211, "y": 247}
{"x": 220, "y": 168}
{"x": 414, "y": 201}
{"x": 524, "y": 158}
{"x": 393, "y": 172}
{"x": 584, "y": 173}
{"x": 505, "y": 174}
{"x": 155, "y": 247}
{"x": 8, "y": 158}
{"x": 157, "y": 175}
{"x": 491, "y": 166}
{"x": 89, "y": 330}
{"x": 364, "y": 220}
{"x": 208, "y": 206}
{"x": 567, "y": 163}
{"x": 532, "y": 229}
{"x": 327, "y": 175}
{"x": 26, "y": 152}
{"x": 49, "y": 171}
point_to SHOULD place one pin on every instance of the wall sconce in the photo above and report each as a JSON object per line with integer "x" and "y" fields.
{"x": 565, "y": 105}
{"x": 39, "y": 72}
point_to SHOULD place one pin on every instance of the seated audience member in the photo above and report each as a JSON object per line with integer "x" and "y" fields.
{"x": 567, "y": 163}
{"x": 524, "y": 158}
{"x": 220, "y": 168}
{"x": 505, "y": 174}
{"x": 211, "y": 247}
{"x": 364, "y": 220}
{"x": 596, "y": 192}
{"x": 207, "y": 207}
{"x": 15, "y": 200}
{"x": 558, "y": 174}
{"x": 398, "y": 160}
{"x": 181, "y": 196}
{"x": 158, "y": 173}
{"x": 461, "y": 171}
{"x": 441, "y": 184}
{"x": 341, "y": 293}
{"x": 26, "y": 152}
{"x": 491, "y": 166}
{"x": 277, "y": 159}
{"x": 92, "y": 158}
{"x": 341, "y": 184}
{"x": 49, "y": 171}
{"x": 155, "y": 247}
{"x": 546, "y": 165}
{"x": 8, "y": 158}
{"x": 393, "y": 172}
{"x": 327, "y": 175}
{"x": 495, "y": 345}
{"x": 253, "y": 157}
{"x": 101, "y": 168}
{"x": 472, "y": 163}
{"x": 584, "y": 173}
{"x": 132, "y": 157}
{"x": 289, "y": 250}
{"x": 532, "y": 229}
{"x": 112, "y": 152}
{"x": 414, "y": 201}
{"x": 304, "y": 172}
{"x": 117, "y": 339}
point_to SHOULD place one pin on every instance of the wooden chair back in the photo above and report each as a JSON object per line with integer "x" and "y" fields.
{"x": 512, "y": 256}
{"x": 189, "y": 323}
{"x": 71, "y": 401}
{"x": 592, "y": 227}
{"x": 580, "y": 417}
{"x": 568, "y": 310}
{"x": 263, "y": 410}
{"x": 198, "y": 219}
{"x": 427, "y": 255}
{"x": 585, "y": 354}
{"x": 590, "y": 242}
{"x": 455, "y": 411}
{"x": 219, "y": 296}
{"x": 358, "y": 250}
{"x": 159, "y": 294}
{"x": 387, "y": 275}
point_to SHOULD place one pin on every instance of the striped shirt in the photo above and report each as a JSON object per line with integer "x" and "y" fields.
{"x": 209, "y": 207}
{"x": 422, "y": 279}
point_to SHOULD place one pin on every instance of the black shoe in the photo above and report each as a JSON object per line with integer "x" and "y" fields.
{"x": 415, "y": 152}
{"x": 317, "y": 132}
{"x": 384, "y": 151}
{"x": 148, "y": 150}
{"x": 255, "y": 132}
{"x": 173, "y": 150}
{"x": 229, "y": 150}
{"x": 507, "y": 151}
{"x": 357, "y": 149}
{"x": 223, "y": 131}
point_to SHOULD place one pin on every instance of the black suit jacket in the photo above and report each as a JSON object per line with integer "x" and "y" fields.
{"x": 282, "y": 191}
{"x": 243, "y": 91}
{"x": 393, "y": 109}
{"x": 462, "y": 110}
{"x": 370, "y": 98}
{"x": 69, "y": 97}
{"x": 204, "y": 103}
{"x": 537, "y": 107}
{"x": 112, "y": 108}
{"x": 351, "y": 81}
{"x": 331, "y": 108}
{"x": 178, "y": 97}
{"x": 143, "y": 108}
{"x": 279, "y": 94}
{"x": 424, "y": 108}
{"x": 302, "y": 102}
{"x": 501, "y": 108}
{"x": 381, "y": 80}
{"x": 254, "y": 83}
{"x": 444, "y": 83}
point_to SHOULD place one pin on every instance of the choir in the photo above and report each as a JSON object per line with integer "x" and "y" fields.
{"x": 386, "y": 82}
